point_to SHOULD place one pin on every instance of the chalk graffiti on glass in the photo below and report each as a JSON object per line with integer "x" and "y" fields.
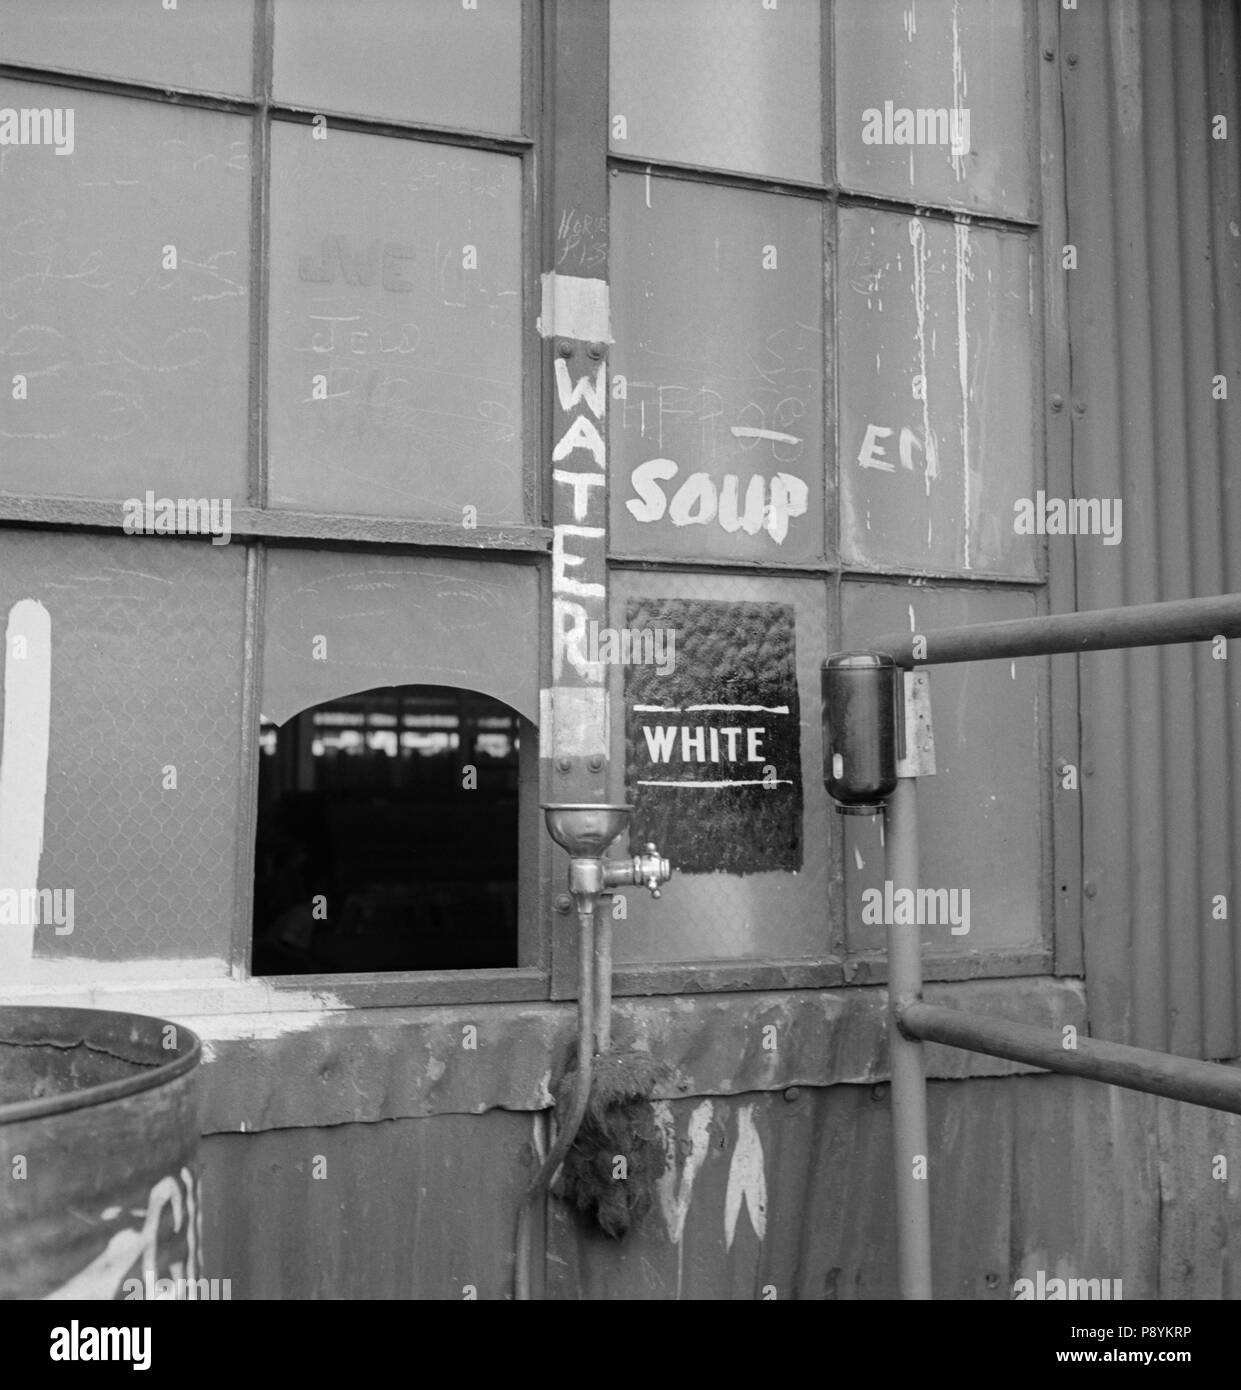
{"x": 716, "y": 391}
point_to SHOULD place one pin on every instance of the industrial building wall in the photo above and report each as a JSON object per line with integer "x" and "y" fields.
{"x": 355, "y": 1147}
{"x": 783, "y": 1194}
{"x": 787, "y": 1193}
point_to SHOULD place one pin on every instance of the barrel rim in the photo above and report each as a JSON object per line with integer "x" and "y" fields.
{"x": 158, "y": 1075}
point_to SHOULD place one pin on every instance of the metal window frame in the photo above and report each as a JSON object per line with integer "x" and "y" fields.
{"x": 1060, "y": 951}
{"x": 257, "y": 527}
{"x": 555, "y": 158}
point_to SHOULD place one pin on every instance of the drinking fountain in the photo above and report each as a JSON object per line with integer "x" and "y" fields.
{"x": 584, "y": 831}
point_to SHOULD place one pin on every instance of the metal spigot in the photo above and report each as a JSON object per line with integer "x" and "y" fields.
{"x": 652, "y": 870}
{"x": 586, "y": 831}
{"x": 647, "y": 870}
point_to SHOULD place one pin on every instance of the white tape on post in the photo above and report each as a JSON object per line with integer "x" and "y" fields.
{"x": 919, "y": 759}
{"x": 575, "y": 306}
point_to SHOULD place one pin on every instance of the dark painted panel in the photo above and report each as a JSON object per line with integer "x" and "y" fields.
{"x": 421, "y": 61}
{"x": 980, "y": 815}
{"x": 972, "y": 56}
{"x": 713, "y": 735}
{"x": 937, "y": 369}
{"x": 718, "y": 314}
{"x": 397, "y": 620}
{"x": 725, "y": 83}
{"x": 770, "y": 912}
{"x": 137, "y": 374}
{"x": 205, "y": 47}
{"x": 145, "y": 680}
{"x": 396, "y": 337}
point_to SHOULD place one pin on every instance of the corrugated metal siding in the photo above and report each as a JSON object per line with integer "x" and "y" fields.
{"x": 402, "y": 1209}
{"x": 1027, "y": 1173}
{"x": 1030, "y": 1173}
{"x": 1154, "y": 210}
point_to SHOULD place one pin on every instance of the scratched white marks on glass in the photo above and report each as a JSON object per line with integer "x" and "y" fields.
{"x": 933, "y": 105}
{"x": 396, "y": 336}
{"x": 717, "y": 373}
{"x": 936, "y": 394}
{"x": 132, "y": 368}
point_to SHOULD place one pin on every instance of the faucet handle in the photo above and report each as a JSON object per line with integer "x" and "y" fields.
{"x": 652, "y": 870}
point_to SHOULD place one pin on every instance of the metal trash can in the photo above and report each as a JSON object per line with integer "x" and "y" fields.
{"x": 99, "y": 1131}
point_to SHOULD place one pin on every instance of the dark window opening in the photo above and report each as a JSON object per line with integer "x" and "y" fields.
{"x": 388, "y": 835}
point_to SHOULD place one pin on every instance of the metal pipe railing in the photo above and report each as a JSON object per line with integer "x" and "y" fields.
{"x": 913, "y": 1022}
{"x": 909, "y": 1128}
{"x": 1104, "y": 629}
{"x": 1136, "y": 1068}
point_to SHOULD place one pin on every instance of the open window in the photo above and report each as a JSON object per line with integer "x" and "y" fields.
{"x": 388, "y": 834}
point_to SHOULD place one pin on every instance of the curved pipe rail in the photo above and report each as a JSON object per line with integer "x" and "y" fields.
{"x": 1137, "y": 1068}
{"x": 912, "y": 1021}
{"x": 1104, "y": 629}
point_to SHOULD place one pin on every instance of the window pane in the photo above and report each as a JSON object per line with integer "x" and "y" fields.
{"x": 143, "y": 788}
{"x": 980, "y": 816}
{"x": 137, "y": 370}
{"x": 342, "y": 622}
{"x": 387, "y": 835}
{"x": 902, "y": 71}
{"x": 728, "y": 83}
{"x": 423, "y": 61}
{"x": 206, "y": 47}
{"x": 717, "y": 394}
{"x": 937, "y": 376}
{"x": 722, "y": 755}
{"x": 395, "y": 355}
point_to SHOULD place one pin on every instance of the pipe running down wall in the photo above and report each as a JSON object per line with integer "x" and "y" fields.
{"x": 909, "y": 1127}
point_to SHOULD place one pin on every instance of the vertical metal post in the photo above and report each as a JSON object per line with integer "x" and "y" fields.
{"x": 909, "y": 1130}
{"x": 603, "y": 975}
